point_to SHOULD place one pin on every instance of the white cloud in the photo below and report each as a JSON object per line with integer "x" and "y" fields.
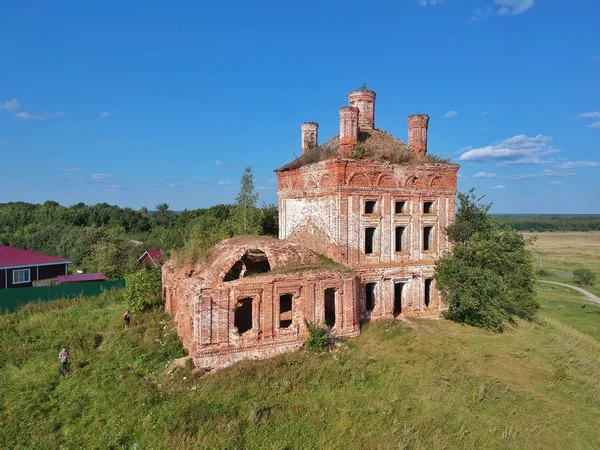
{"x": 484, "y": 113}
{"x": 449, "y": 114}
{"x": 480, "y": 14}
{"x": 271, "y": 180}
{"x": 102, "y": 176}
{"x": 499, "y": 186}
{"x": 219, "y": 163}
{"x": 543, "y": 173}
{"x": 72, "y": 169}
{"x": 589, "y": 115}
{"x": 520, "y": 149}
{"x": 429, "y": 2}
{"x": 10, "y": 105}
{"x": 105, "y": 114}
{"x": 594, "y": 126}
{"x": 265, "y": 188}
{"x": 24, "y": 115}
{"x": 556, "y": 182}
{"x": 513, "y": 7}
{"x": 578, "y": 164}
{"x": 223, "y": 183}
{"x": 484, "y": 175}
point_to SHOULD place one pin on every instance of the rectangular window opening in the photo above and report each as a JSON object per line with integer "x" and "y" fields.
{"x": 400, "y": 239}
{"x": 330, "y": 307}
{"x": 369, "y": 240}
{"x": 427, "y": 207}
{"x": 398, "y": 288}
{"x": 370, "y": 296}
{"x": 21, "y": 276}
{"x": 427, "y": 238}
{"x": 285, "y": 310}
{"x": 428, "y": 282}
{"x": 242, "y": 317}
{"x": 370, "y": 206}
{"x": 400, "y": 207}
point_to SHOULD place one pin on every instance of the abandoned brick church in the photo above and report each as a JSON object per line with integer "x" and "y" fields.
{"x": 361, "y": 223}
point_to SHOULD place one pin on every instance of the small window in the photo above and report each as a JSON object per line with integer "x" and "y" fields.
{"x": 242, "y": 318}
{"x": 400, "y": 207}
{"x": 370, "y": 206}
{"x": 285, "y": 310}
{"x": 330, "y": 307}
{"x": 400, "y": 239}
{"x": 21, "y": 276}
{"x": 427, "y": 207}
{"x": 370, "y": 296}
{"x": 369, "y": 240}
{"x": 428, "y": 291}
{"x": 427, "y": 238}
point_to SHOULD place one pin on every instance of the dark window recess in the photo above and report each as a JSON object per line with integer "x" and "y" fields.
{"x": 242, "y": 318}
{"x": 427, "y": 238}
{"x": 330, "y": 307}
{"x": 285, "y": 310}
{"x": 370, "y": 206}
{"x": 400, "y": 239}
{"x": 428, "y": 291}
{"x": 400, "y": 207}
{"x": 427, "y": 207}
{"x": 370, "y": 296}
{"x": 369, "y": 240}
{"x": 398, "y": 288}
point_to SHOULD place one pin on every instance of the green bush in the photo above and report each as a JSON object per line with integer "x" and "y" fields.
{"x": 142, "y": 289}
{"x": 584, "y": 277}
{"x": 318, "y": 338}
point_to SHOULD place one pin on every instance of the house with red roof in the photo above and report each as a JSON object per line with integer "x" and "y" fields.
{"x": 20, "y": 268}
{"x": 151, "y": 258}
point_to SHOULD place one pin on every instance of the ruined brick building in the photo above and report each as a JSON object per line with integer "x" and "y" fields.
{"x": 361, "y": 223}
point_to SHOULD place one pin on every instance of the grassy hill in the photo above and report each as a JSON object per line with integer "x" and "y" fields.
{"x": 429, "y": 384}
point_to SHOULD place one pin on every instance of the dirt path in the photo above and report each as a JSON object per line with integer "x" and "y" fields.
{"x": 591, "y": 297}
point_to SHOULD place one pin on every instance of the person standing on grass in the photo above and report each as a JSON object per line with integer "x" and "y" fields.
{"x": 126, "y": 319}
{"x": 63, "y": 357}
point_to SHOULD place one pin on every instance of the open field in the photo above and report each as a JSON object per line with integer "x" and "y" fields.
{"x": 434, "y": 385}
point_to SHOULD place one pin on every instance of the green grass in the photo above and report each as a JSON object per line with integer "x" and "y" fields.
{"x": 434, "y": 385}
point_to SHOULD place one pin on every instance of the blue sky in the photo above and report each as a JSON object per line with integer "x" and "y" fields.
{"x": 138, "y": 103}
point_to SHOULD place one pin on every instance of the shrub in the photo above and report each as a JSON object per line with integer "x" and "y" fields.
{"x": 542, "y": 272}
{"x": 142, "y": 289}
{"x": 318, "y": 338}
{"x": 584, "y": 277}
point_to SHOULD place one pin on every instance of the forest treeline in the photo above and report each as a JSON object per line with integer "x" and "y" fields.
{"x": 550, "y": 222}
{"x": 109, "y": 239}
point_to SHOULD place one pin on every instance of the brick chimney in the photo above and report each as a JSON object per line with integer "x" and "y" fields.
{"x": 310, "y": 136}
{"x": 364, "y": 100}
{"x": 417, "y": 133}
{"x": 348, "y": 129}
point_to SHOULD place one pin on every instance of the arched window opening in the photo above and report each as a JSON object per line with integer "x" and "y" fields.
{"x": 253, "y": 262}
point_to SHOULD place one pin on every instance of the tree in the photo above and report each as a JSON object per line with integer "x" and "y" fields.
{"x": 487, "y": 280}
{"x": 163, "y": 215}
{"x": 584, "y": 277}
{"x": 247, "y": 214}
{"x": 142, "y": 289}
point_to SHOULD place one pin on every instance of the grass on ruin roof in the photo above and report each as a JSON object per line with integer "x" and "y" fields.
{"x": 376, "y": 145}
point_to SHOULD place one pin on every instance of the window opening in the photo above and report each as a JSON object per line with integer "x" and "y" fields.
{"x": 400, "y": 207}
{"x": 369, "y": 238}
{"x": 285, "y": 310}
{"x": 370, "y": 296}
{"x": 427, "y": 207}
{"x": 370, "y": 206}
{"x": 21, "y": 276}
{"x": 427, "y": 234}
{"x": 330, "y": 307}
{"x": 242, "y": 319}
{"x": 400, "y": 239}
{"x": 398, "y": 288}
{"x": 428, "y": 290}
